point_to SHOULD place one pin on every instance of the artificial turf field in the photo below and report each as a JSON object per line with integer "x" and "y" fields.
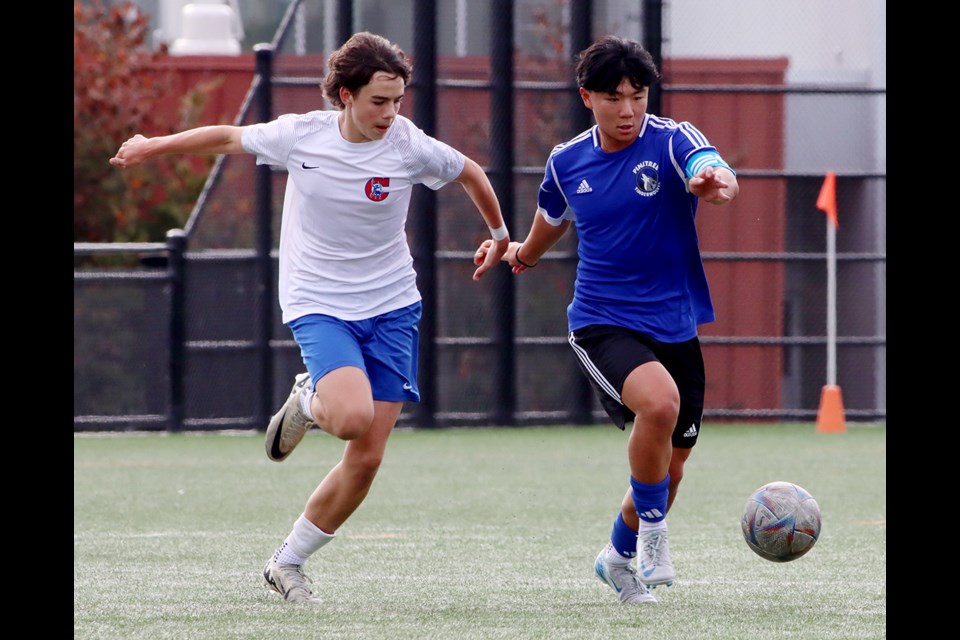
{"x": 470, "y": 534}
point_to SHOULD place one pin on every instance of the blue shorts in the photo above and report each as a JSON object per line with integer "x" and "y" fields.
{"x": 384, "y": 347}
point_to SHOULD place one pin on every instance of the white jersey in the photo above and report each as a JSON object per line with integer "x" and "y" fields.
{"x": 343, "y": 243}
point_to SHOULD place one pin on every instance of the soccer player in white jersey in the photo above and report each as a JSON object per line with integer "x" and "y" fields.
{"x": 630, "y": 185}
{"x": 347, "y": 285}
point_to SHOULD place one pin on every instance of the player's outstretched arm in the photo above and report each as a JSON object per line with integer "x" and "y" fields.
{"x": 213, "y": 139}
{"x": 716, "y": 185}
{"x": 477, "y": 185}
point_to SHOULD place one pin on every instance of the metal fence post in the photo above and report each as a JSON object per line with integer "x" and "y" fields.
{"x": 344, "y": 21}
{"x": 653, "y": 42}
{"x": 501, "y": 174}
{"x": 424, "y": 206}
{"x": 176, "y": 246}
{"x": 581, "y": 33}
{"x": 581, "y": 119}
{"x": 264, "y": 244}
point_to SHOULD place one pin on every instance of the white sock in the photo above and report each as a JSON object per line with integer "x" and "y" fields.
{"x": 613, "y": 557}
{"x": 286, "y": 555}
{"x": 306, "y": 397}
{"x": 304, "y": 540}
{"x": 653, "y": 526}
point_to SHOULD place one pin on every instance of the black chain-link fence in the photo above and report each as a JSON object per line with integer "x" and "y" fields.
{"x": 495, "y": 352}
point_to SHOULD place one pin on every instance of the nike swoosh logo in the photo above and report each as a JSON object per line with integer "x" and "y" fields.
{"x": 275, "y": 445}
{"x": 407, "y": 386}
{"x": 603, "y": 576}
{"x": 304, "y": 165}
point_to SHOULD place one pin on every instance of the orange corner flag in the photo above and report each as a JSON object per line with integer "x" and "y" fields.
{"x": 827, "y": 200}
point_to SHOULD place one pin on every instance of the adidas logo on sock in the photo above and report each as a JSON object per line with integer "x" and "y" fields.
{"x": 652, "y": 514}
{"x": 584, "y": 187}
{"x": 691, "y": 432}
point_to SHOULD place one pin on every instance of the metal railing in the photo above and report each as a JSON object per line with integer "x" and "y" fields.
{"x": 267, "y": 350}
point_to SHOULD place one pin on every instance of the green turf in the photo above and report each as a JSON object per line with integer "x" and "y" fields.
{"x": 470, "y": 533}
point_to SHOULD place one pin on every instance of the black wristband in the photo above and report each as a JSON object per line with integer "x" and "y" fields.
{"x": 528, "y": 266}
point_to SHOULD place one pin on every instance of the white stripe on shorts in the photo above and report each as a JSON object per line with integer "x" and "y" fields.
{"x": 592, "y": 369}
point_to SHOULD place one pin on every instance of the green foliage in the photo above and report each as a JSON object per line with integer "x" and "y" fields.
{"x": 116, "y": 94}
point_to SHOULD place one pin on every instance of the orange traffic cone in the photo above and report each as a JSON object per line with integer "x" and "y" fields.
{"x": 830, "y": 416}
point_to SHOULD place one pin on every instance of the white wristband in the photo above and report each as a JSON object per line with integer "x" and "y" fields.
{"x": 499, "y": 233}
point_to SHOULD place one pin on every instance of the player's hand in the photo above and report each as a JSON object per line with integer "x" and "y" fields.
{"x": 131, "y": 153}
{"x": 488, "y": 254}
{"x": 509, "y": 256}
{"x": 709, "y": 186}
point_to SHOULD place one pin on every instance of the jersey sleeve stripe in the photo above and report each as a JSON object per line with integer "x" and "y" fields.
{"x": 696, "y": 138}
{"x": 703, "y": 159}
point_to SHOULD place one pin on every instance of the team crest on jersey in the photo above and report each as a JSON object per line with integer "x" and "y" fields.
{"x": 648, "y": 178}
{"x": 376, "y": 188}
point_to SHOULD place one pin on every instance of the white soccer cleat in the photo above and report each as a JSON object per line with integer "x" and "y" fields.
{"x": 289, "y": 581}
{"x": 656, "y": 568}
{"x": 288, "y": 426}
{"x": 623, "y": 579}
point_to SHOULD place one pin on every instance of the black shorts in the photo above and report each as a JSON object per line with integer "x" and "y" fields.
{"x": 607, "y": 354}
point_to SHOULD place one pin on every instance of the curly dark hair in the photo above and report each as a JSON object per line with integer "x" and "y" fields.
{"x": 604, "y": 64}
{"x": 353, "y": 64}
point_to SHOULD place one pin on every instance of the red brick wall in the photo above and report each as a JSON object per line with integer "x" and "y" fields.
{"x": 748, "y": 129}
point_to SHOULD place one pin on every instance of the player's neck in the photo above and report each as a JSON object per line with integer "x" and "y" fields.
{"x": 348, "y": 129}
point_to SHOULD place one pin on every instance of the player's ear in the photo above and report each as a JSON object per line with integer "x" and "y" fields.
{"x": 585, "y": 96}
{"x": 345, "y": 96}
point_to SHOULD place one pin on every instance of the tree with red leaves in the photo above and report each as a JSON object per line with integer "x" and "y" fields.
{"x": 115, "y": 93}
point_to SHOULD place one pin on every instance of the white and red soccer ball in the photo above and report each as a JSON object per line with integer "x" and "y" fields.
{"x": 781, "y": 521}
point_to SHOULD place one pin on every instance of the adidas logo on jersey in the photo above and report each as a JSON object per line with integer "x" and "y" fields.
{"x": 691, "y": 432}
{"x": 584, "y": 187}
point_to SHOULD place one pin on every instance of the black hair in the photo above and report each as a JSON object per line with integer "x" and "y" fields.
{"x": 604, "y": 64}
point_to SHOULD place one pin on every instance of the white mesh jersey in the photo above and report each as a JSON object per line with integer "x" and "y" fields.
{"x": 343, "y": 244}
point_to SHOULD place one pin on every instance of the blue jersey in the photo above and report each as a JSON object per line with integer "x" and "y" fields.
{"x": 639, "y": 255}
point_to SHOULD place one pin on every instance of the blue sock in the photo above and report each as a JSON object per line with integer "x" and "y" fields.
{"x": 650, "y": 500}
{"x": 623, "y": 538}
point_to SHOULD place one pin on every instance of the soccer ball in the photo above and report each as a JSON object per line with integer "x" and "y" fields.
{"x": 781, "y": 521}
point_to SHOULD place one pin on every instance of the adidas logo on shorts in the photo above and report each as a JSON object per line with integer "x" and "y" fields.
{"x": 691, "y": 432}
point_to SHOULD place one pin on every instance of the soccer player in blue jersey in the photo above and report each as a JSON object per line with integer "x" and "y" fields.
{"x": 631, "y": 186}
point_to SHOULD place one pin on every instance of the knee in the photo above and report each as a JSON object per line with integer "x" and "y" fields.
{"x": 661, "y": 412}
{"x": 350, "y": 424}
